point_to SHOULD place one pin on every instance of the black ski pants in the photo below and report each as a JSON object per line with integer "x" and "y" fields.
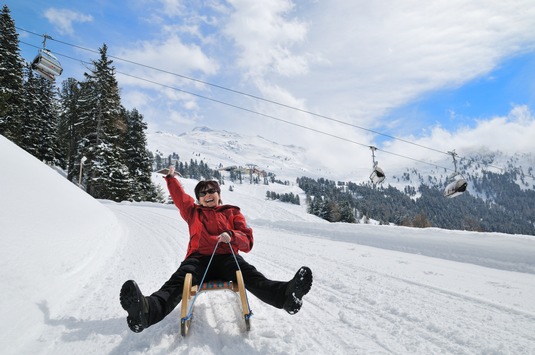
{"x": 223, "y": 267}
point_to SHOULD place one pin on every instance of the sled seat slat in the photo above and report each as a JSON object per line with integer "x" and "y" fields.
{"x": 214, "y": 285}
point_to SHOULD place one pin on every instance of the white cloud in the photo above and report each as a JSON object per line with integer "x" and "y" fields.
{"x": 172, "y": 107}
{"x": 172, "y": 7}
{"x": 135, "y": 99}
{"x": 63, "y": 19}
{"x": 509, "y": 134}
{"x": 389, "y": 54}
{"x": 512, "y": 134}
{"x": 263, "y": 32}
{"x": 169, "y": 54}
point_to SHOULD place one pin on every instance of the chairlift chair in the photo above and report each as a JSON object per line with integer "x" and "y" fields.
{"x": 455, "y": 188}
{"x": 377, "y": 176}
{"x": 458, "y": 185}
{"x": 47, "y": 65}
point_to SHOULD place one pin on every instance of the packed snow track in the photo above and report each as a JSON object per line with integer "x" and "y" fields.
{"x": 364, "y": 300}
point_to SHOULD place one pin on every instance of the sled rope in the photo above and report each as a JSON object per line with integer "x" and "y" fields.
{"x": 190, "y": 311}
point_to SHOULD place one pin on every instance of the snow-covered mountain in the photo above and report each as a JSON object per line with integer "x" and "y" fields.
{"x": 223, "y": 148}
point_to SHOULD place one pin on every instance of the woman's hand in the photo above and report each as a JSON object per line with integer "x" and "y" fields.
{"x": 224, "y": 237}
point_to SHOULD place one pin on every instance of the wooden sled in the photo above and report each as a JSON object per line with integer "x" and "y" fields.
{"x": 189, "y": 292}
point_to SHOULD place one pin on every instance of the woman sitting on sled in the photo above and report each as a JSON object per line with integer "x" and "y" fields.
{"x": 211, "y": 223}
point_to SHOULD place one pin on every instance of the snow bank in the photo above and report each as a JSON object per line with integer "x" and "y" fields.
{"x": 49, "y": 240}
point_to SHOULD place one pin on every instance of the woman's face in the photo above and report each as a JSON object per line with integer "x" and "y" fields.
{"x": 209, "y": 197}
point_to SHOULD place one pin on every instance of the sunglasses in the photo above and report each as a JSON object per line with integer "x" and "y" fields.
{"x": 206, "y": 192}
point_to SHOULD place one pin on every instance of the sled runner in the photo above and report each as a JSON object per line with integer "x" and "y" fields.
{"x": 190, "y": 292}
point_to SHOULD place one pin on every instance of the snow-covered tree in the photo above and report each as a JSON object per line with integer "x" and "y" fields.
{"x": 138, "y": 158}
{"x": 29, "y": 127}
{"x": 103, "y": 128}
{"x": 38, "y": 129}
{"x": 11, "y": 77}
{"x": 69, "y": 129}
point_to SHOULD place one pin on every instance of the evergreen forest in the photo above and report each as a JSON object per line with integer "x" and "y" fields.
{"x": 509, "y": 209}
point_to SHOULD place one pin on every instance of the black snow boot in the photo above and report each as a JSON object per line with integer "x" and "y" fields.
{"x": 296, "y": 289}
{"x": 133, "y": 301}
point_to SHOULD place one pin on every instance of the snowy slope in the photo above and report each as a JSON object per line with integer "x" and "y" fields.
{"x": 377, "y": 289}
{"x": 228, "y": 149}
{"x": 54, "y": 238}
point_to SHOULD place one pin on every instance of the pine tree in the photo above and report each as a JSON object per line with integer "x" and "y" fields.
{"x": 103, "y": 130}
{"x": 346, "y": 213}
{"x": 29, "y": 127}
{"x": 334, "y": 213}
{"x": 109, "y": 176}
{"x": 159, "y": 164}
{"x": 38, "y": 130}
{"x": 11, "y": 78}
{"x": 48, "y": 105}
{"x": 138, "y": 158}
{"x": 69, "y": 130}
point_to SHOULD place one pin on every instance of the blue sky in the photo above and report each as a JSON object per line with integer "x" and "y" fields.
{"x": 493, "y": 94}
{"x": 446, "y": 74}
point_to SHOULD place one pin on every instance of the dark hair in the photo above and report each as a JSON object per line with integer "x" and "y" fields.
{"x": 205, "y": 185}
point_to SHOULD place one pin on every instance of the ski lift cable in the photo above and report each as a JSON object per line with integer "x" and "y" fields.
{"x": 276, "y": 118}
{"x": 250, "y": 111}
{"x": 244, "y": 94}
{"x": 252, "y": 96}
{"x": 253, "y": 111}
{"x": 240, "y": 108}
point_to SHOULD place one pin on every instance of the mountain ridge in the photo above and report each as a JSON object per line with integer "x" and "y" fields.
{"x": 223, "y": 148}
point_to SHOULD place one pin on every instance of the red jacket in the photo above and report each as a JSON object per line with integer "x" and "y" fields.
{"x": 207, "y": 223}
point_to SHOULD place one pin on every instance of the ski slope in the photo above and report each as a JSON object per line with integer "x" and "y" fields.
{"x": 377, "y": 289}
